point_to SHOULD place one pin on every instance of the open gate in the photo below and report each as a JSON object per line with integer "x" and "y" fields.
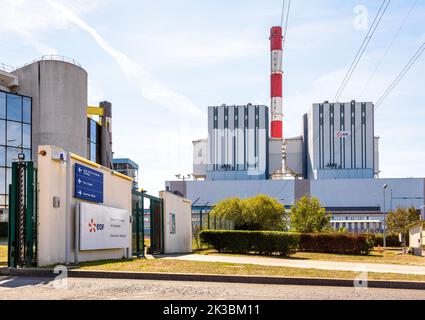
{"x": 154, "y": 225}
{"x": 22, "y": 237}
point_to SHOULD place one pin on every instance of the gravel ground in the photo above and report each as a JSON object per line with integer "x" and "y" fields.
{"x": 79, "y": 289}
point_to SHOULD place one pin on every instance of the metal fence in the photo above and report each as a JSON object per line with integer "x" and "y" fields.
{"x": 206, "y": 221}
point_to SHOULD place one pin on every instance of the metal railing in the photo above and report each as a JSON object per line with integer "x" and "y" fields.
{"x": 6, "y": 68}
{"x": 54, "y": 57}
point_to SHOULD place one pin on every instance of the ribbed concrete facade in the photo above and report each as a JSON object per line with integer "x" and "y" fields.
{"x": 238, "y": 142}
{"x": 59, "y": 100}
{"x": 341, "y": 141}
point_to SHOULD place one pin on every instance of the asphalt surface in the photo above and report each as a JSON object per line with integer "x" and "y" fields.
{"x": 94, "y": 289}
{"x": 306, "y": 264}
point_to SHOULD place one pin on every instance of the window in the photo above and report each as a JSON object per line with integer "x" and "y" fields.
{"x": 93, "y": 152}
{"x": 14, "y": 107}
{"x": 15, "y": 137}
{"x": 2, "y": 105}
{"x": 12, "y": 155}
{"x": 2, "y": 160}
{"x": 172, "y": 223}
{"x": 26, "y": 136}
{"x": 14, "y": 133}
{"x": 2, "y": 132}
{"x": 26, "y": 110}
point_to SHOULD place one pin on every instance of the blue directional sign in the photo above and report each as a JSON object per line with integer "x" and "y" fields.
{"x": 88, "y": 184}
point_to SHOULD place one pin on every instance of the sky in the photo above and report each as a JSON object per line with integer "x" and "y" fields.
{"x": 162, "y": 63}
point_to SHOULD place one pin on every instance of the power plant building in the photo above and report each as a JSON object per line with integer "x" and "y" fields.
{"x": 340, "y": 168}
{"x": 340, "y": 141}
{"x": 238, "y": 142}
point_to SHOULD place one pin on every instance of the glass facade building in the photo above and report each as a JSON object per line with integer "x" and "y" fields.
{"x": 93, "y": 140}
{"x": 15, "y": 137}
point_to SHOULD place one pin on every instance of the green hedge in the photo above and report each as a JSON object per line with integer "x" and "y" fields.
{"x": 336, "y": 243}
{"x": 392, "y": 240}
{"x": 284, "y": 243}
{"x": 259, "y": 242}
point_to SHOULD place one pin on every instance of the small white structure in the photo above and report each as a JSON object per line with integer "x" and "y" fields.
{"x": 178, "y": 223}
{"x": 416, "y": 238}
{"x": 71, "y": 228}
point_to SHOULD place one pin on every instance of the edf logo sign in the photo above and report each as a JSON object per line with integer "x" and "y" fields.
{"x": 93, "y": 227}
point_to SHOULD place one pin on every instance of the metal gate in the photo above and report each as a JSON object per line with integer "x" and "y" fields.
{"x": 155, "y": 224}
{"x": 22, "y": 238}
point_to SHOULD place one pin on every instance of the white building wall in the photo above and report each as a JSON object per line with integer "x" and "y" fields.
{"x": 215, "y": 191}
{"x": 368, "y": 192}
{"x": 181, "y": 240}
{"x": 53, "y": 226}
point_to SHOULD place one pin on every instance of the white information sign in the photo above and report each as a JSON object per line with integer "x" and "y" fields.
{"x": 103, "y": 227}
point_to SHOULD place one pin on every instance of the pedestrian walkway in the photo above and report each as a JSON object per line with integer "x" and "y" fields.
{"x": 305, "y": 264}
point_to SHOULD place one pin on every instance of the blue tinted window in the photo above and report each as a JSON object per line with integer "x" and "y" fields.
{"x": 14, "y": 134}
{"x": 12, "y": 155}
{"x": 26, "y": 136}
{"x": 26, "y": 110}
{"x": 2, "y": 159}
{"x": 3, "y": 181}
{"x": 2, "y": 132}
{"x": 28, "y": 156}
{"x": 14, "y": 107}
{"x": 2, "y": 105}
{"x": 8, "y": 178}
{"x": 93, "y": 152}
{"x": 93, "y": 131}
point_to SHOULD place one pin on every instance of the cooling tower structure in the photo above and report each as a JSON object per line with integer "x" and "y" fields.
{"x": 59, "y": 98}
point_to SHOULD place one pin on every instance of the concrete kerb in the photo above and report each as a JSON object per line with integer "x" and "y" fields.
{"x": 48, "y": 273}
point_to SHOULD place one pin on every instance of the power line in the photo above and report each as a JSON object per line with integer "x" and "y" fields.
{"x": 283, "y": 12}
{"x": 286, "y": 22}
{"x": 401, "y": 75}
{"x": 355, "y": 62}
{"x": 389, "y": 47}
{"x": 363, "y": 47}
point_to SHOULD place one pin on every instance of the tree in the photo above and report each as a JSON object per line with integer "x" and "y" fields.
{"x": 257, "y": 213}
{"x": 398, "y": 222}
{"x": 308, "y": 216}
{"x": 263, "y": 213}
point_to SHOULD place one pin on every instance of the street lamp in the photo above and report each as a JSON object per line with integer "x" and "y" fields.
{"x": 385, "y": 217}
{"x": 422, "y": 208}
{"x": 183, "y": 177}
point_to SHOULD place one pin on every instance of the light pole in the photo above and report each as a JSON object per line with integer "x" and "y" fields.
{"x": 385, "y": 218}
{"x": 183, "y": 177}
{"x": 422, "y": 208}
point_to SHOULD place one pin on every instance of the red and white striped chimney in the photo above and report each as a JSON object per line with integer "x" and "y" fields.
{"x": 276, "y": 40}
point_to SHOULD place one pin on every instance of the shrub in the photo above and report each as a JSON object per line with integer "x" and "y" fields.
{"x": 259, "y": 242}
{"x": 257, "y": 213}
{"x": 392, "y": 240}
{"x": 336, "y": 243}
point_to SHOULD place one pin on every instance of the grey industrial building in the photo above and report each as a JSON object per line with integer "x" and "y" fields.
{"x": 127, "y": 167}
{"x": 335, "y": 158}
{"x": 45, "y": 103}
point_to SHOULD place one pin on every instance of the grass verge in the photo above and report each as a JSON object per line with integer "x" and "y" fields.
{"x": 178, "y": 266}
{"x": 390, "y": 256}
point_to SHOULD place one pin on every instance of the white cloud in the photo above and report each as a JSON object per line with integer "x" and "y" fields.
{"x": 151, "y": 89}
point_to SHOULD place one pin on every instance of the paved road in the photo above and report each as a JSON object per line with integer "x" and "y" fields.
{"x": 78, "y": 289}
{"x": 306, "y": 264}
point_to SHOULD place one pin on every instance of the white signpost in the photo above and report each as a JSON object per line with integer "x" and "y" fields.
{"x": 102, "y": 227}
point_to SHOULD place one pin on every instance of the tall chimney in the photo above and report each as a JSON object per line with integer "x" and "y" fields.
{"x": 276, "y": 40}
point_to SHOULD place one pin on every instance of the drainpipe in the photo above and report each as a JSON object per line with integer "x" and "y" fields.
{"x": 68, "y": 215}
